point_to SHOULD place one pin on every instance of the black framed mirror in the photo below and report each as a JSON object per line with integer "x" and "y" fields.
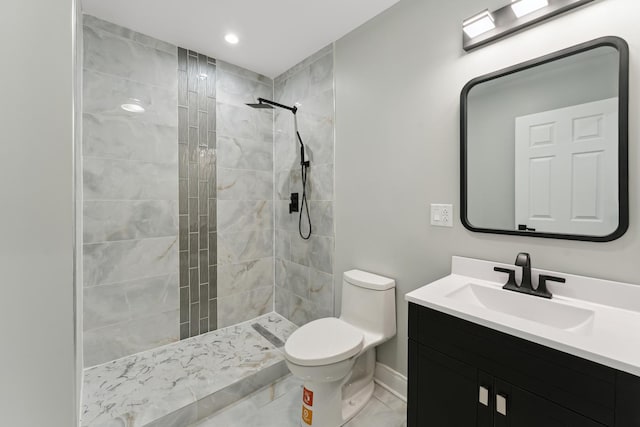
{"x": 544, "y": 146}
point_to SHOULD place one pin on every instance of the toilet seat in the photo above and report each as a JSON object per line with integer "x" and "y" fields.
{"x": 323, "y": 342}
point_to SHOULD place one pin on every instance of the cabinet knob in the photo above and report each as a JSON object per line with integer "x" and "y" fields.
{"x": 501, "y": 404}
{"x": 483, "y": 397}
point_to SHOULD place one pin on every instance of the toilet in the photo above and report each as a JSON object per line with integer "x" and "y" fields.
{"x": 335, "y": 357}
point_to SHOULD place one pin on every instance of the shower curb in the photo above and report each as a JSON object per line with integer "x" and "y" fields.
{"x": 220, "y": 399}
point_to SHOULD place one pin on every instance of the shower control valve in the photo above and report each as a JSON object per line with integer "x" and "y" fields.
{"x": 293, "y": 204}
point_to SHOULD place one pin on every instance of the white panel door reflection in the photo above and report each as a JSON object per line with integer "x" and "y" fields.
{"x": 566, "y": 170}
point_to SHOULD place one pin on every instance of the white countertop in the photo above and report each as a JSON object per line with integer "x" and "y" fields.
{"x": 610, "y": 336}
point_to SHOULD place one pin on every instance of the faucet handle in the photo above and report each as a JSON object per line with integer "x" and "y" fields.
{"x": 542, "y": 290}
{"x": 511, "y": 283}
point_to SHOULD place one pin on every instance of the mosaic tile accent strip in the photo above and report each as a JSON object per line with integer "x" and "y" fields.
{"x": 197, "y": 193}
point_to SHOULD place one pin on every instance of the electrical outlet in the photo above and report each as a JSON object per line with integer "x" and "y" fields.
{"x": 441, "y": 215}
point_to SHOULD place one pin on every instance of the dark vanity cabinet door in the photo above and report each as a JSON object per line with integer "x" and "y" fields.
{"x": 524, "y": 409}
{"x": 445, "y": 391}
{"x": 465, "y": 375}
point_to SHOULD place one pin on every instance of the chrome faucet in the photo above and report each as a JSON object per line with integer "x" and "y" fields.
{"x": 526, "y": 287}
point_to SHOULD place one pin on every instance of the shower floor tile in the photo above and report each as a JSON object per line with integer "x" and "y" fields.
{"x": 183, "y": 382}
{"x": 279, "y": 406}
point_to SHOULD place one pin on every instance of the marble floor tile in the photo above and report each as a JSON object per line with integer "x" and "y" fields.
{"x": 278, "y": 405}
{"x": 377, "y": 414}
{"x": 190, "y": 379}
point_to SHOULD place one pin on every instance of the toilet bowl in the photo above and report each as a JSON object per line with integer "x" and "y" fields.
{"x": 335, "y": 357}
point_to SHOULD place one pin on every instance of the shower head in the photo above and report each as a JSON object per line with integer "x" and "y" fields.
{"x": 268, "y": 104}
{"x": 261, "y": 105}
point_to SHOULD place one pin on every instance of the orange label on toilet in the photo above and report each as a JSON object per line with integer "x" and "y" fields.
{"x": 307, "y": 415}
{"x": 307, "y": 397}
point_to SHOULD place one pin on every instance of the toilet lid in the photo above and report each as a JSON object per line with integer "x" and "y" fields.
{"x": 323, "y": 342}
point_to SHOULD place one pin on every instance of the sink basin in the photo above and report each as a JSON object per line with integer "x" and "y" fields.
{"x": 591, "y": 318}
{"x": 535, "y": 309}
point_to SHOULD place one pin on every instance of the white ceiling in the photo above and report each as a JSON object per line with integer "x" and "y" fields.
{"x": 274, "y": 34}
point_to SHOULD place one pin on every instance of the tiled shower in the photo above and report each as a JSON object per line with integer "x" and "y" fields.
{"x": 130, "y": 201}
{"x": 304, "y": 268}
{"x": 186, "y": 227}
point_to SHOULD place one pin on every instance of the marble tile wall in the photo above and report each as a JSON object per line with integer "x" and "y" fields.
{"x": 130, "y": 205}
{"x": 197, "y": 193}
{"x": 245, "y": 209}
{"x": 304, "y": 268}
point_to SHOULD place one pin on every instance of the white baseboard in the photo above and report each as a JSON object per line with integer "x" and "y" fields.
{"x": 392, "y": 381}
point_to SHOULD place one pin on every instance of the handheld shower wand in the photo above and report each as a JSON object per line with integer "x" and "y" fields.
{"x": 304, "y": 163}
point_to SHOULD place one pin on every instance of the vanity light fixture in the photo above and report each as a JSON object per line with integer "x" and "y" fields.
{"x": 489, "y": 26}
{"x": 478, "y": 24}
{"x": 525, "y": 7}
{"x": 231, "y": 38}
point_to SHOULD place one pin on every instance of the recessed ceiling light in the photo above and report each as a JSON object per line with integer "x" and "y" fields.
{"x": 525, "y": 7}
{"x": 231, "y": 38}
{"x": 478, "y": 24}
{"x": 133, "y": 106}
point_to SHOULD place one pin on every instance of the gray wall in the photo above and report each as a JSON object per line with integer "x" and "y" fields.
{"x": 245, "y": 196}
{"x": 37, "y": 243}
{"x": 398, "y": 82}
{"x": 303, "y": 268}
{"x": 492, "y": 109}
{"x": 130, "y": 170}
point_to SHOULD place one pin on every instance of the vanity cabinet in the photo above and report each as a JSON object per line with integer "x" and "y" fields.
{"x": 462, "y": 375}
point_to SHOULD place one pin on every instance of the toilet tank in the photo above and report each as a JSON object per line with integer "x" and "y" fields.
{"x": 369, "y": 302}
